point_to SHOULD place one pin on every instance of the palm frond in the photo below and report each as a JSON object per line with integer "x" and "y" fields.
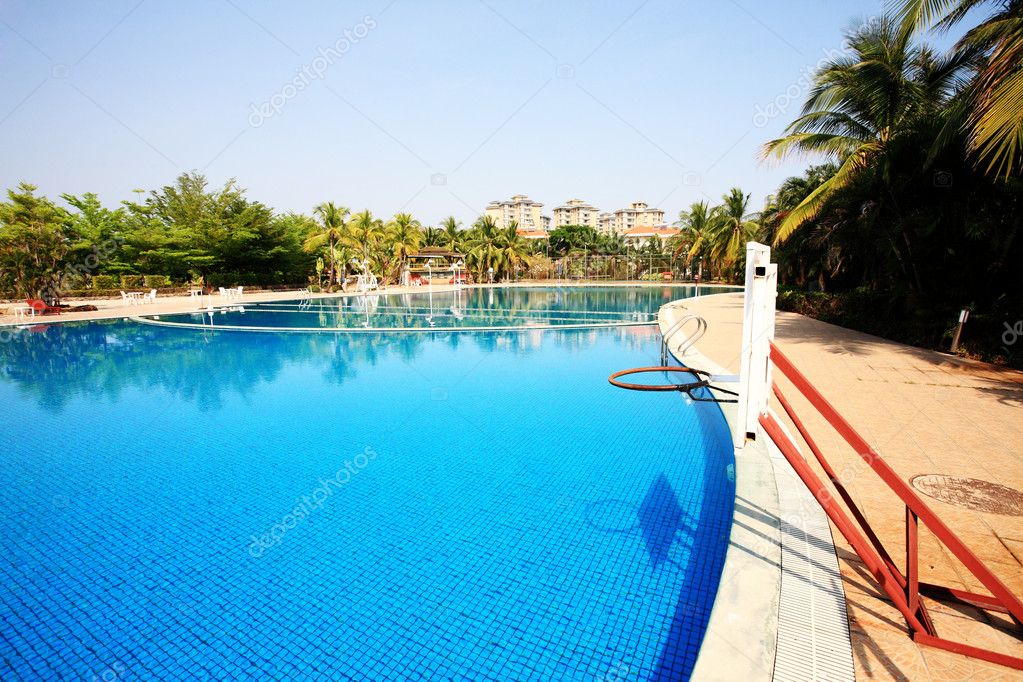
{"x": 810, "y": 207}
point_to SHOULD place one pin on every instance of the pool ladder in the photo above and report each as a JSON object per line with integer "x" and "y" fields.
{"x": 701, "y": 329}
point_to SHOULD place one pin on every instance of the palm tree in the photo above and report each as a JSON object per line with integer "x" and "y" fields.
{"x": 995, "y": 121}
{"x": 732, "y": 226}
{"x": 404, "y": 236}
{"x": 611, "y": 244}
{"x": 452, "y": 235}
{"x": 366, "y": 232}
{"x": 696, "y": 235}
{"x": 433, "y": 236}
{"x": 333, "y": 229}
{"x": 817, "y": 252}
{"x": 513, "y": 249}
{"x": 344, "y": 253}
{"x": 863, "y": 104}
{"x": 482, "y": 243}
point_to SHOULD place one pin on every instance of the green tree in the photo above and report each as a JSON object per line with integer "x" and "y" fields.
{"x": 333, "y": 229}
{"x": 732, "y": 227}
{"x": 696, "y": 234}
{"x": 816, "y": 252}
{"x": 452, "y": 235}
{"x": 366, "y": 234}
{"x": 482, "y": 246}
{"x": 995, "y": 116}
{"x": 404, "y": 236}
{"x": 864, "y": 106}
{"x": 99, "y": 235}
{"x": 433, "y": 236}
{"x": 513, "y": 250}
{"x": 581, "y": 239}
{"x": 35, "y": 242}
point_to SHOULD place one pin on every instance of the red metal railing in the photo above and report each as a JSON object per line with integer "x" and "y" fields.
{"x": 906, "y": 589}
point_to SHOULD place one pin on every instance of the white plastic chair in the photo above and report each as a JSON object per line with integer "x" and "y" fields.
{"x": 223, "y": 292}
{"x": 239, "y": 293}
{"x": 150, "y": 297}
{"x": 124, "y": 299}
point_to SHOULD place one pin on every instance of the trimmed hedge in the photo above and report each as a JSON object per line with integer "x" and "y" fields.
{"x": 133, "y": 281}
{"x": 104, "y": 282}
{"x": 156, "y": 281}
{"x": 116, "y": 293}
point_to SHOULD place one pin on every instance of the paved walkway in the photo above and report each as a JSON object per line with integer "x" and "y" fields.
{"x": 925, "y": 413}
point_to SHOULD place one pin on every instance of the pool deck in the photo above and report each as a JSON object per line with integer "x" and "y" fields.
{"x": 925, "y": 413}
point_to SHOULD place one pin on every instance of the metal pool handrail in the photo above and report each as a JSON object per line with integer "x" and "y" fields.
{"x": 701, "y": 329}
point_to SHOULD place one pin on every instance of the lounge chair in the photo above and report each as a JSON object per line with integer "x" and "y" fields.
{"x": 40, "y": 307}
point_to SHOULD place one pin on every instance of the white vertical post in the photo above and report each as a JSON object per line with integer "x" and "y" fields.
{"x": 757, "y": 333}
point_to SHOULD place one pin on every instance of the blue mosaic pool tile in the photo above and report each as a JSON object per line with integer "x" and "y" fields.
{"x": 533, "y": 523}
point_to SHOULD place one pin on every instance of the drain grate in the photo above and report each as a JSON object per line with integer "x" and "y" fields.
{"x": 971, "y": 493}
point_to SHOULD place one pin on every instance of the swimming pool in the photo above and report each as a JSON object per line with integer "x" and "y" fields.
{"x": 487, "y": 308}
{"x": 475, "y": 505}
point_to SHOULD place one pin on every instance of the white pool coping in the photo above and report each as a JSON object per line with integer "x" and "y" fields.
{"x": 780, "y": 611}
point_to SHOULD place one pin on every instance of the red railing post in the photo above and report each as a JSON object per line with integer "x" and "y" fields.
{"x": 903, "y": 590}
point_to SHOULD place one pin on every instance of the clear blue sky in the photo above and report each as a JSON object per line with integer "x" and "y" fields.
{"x": 430, "y": 106}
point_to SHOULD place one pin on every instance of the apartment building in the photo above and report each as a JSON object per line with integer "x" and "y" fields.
{"x": 522, "y": 210}
{"x": 576, "y": 212}
{"x": 638, "y": 214}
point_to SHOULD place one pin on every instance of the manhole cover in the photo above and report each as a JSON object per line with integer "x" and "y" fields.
{"x": 971, "y": 493}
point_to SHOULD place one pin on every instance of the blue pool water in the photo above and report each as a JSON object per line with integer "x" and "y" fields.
{"x": 190, "y": 505}
{"x": 483, "y": 308}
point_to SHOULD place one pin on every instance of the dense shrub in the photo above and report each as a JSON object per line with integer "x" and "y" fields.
{"x": 104, "y": 282}
{"x": 111, "y": 293}
{"x": 903, "y": 319}
{"x": 133, "y": 281}
{"x": 156, "y": 281}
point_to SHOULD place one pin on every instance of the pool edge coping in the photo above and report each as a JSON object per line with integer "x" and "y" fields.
{"x": 740, "y": 641}
{"x": 760, "y": 620}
